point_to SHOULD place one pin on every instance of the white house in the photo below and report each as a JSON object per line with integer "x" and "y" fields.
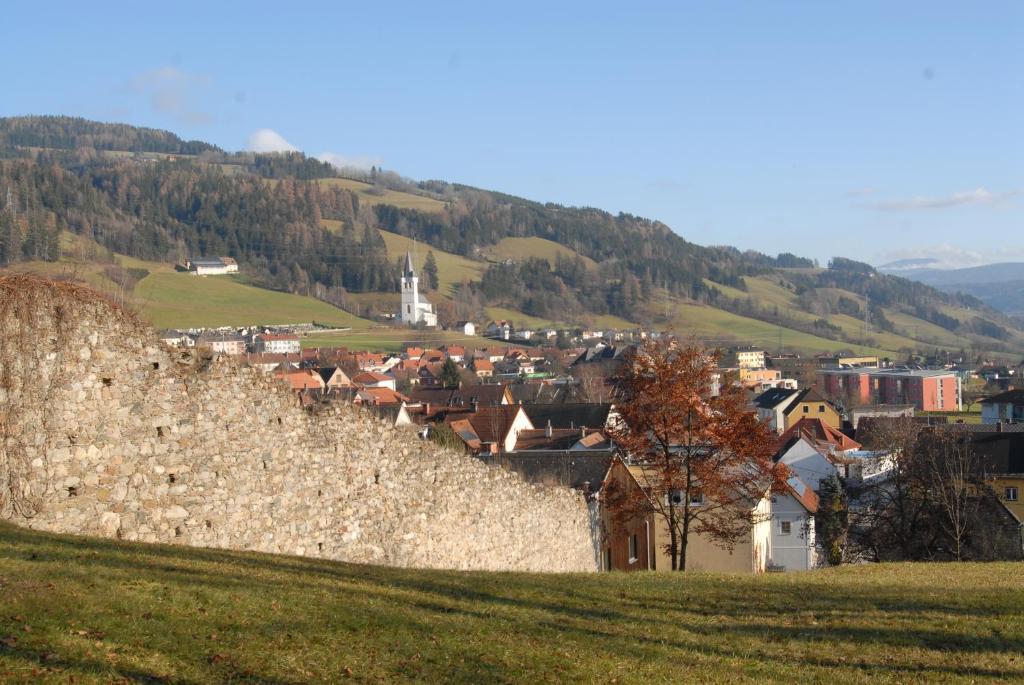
{"x": 812, "y": 462}
{"x": 212, "y": 266}
{"x": 771, "y": 406}
{"x": 793, "y": 543}
{"x": 465, "y": 327}
{"x": 415, "y": 309}
{"x": 277, "y": 343}
{"x": 498, "y": 329}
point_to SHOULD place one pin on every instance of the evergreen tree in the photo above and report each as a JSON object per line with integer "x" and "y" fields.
{"x": 450, "y": 374}
{"x": 430, "y": 272}
{"x": 832, "y": 520}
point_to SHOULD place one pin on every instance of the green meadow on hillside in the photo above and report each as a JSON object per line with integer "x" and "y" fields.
{"x": 523, "y": 248}
{"x": 369, "y": 194}
{"x": 86, "y": 610}
{"x": 181, "y": 300}
{"x": 451, "y": 268}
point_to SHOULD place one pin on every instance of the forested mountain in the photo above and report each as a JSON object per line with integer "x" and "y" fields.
{"x": 149, "y": 194}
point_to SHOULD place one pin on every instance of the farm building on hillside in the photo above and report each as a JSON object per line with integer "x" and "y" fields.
{"x": 212, "y": 266}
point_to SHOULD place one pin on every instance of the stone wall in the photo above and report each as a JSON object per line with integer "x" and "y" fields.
{"x": 106, "y": 432}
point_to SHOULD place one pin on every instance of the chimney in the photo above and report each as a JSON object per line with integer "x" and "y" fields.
{"x": 547, "y": 430}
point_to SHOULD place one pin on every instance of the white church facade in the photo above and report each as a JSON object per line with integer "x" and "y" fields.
{"x": 415, "y": 309}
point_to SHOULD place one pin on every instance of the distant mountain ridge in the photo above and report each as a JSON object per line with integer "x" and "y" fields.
{"x": 148, "y": 194}
{"x": 999, "y": 285}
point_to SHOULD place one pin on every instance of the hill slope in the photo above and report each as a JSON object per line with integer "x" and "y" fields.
{"x": 297, "y": 226}
{"x": 96, "y": 611}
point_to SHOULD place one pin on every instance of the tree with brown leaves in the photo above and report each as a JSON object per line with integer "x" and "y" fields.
{"x": 700, "y": 455}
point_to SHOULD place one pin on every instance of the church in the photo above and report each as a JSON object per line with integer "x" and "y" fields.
{"x": 415, "y": 309}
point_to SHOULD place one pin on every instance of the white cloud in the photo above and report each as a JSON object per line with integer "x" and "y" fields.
{"x": 268, "y": 140}
{"x": 344, "y": 161}
{"x": 978, "y": 196}
{"x": 170, "y": 90}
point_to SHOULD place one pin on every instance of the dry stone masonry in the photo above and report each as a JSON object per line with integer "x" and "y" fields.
{"x": 106, "y": 432}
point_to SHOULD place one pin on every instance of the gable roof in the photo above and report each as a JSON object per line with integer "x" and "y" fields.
{"x": 807, "y": 498}
{"x": 569, "y": 415}
{"x": 1008, "y": 397}
{"x": 810, "y": 394}
{"x": 816, "y": 430}
{"x": 773, "y": 397}
{"x": 538, "y": 439}
{"x": 484, "y": 395}
{"x": 492, "y": 424}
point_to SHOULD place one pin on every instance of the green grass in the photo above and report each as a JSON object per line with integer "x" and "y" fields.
{"x": 180, "y": 300}
{"x": 522, "y": 248}
{"x": 95, "y": 611}
{"x": 368, "y": 195}
{"x": 718, "y": 327}
{"x": 452, "y": 269}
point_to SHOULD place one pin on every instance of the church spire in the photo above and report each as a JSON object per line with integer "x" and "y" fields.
{"x": 408, "y": 272}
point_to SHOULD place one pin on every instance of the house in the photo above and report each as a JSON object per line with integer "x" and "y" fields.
{"x": 793, "y": 545}
{"x": 378, "y": 397}
{"x": 429, "y": 375}
{"x": 372, "y": 379}
{"x": 502, "y": 330}
{"x": 1006, "y": 407}
{"x": 175, "y": 338}
{"x": 415, "y": 309}
{"x": 273, "y": 362}
{"x": 813, "y": 452}
{"x": 457, "y": 353}
{"x": 211, "y": 266}
{"x": 222, "y": 343}
{"x": 771, "y": 404}
{"x": 640, "y": 543}
{"x": 483, "y": 368}
{"x": 575, "y": 415}
{"x": 467, "y": 396}
{"x": 334, "y": 378}
{"x": 302, "y": 379}
{"x": 277, "y": 343}
{"x": 809, "y": 403}
{"x": 490, "y": 429}
{"x": 465, "y": 327}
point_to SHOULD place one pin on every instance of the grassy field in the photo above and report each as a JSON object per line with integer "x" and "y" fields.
{"x": 180, "y": 300}
{"x": 85, "y": 610}
{"x": 391, "y": 339}
{"x": 522, "y": 248}
{"x": 368, "y": 195}
{"x": 451, "y": 268}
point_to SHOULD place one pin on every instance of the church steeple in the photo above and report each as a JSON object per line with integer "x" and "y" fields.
{"x": 408, "y": 272}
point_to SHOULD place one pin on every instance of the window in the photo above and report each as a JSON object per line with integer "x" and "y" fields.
{"x": 785, "y": 527}
{"x": 632, "y": 547}
{"x": 806, "y": 409}
{"x": 696, "y": 499}
{"x": 1010, "y": 494}
{"x": 821, "y": 408}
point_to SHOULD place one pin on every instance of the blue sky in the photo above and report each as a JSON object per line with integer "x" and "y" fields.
{"x": 871, "y": 130}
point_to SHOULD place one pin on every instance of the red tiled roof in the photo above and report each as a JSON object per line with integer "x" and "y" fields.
{"x": 816, "y": 430}
{"x": 371, "y": 377}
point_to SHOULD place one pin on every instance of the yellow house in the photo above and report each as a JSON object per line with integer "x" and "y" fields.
{"x": 810, "y": 404}
{"x": 641, "y": 543}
